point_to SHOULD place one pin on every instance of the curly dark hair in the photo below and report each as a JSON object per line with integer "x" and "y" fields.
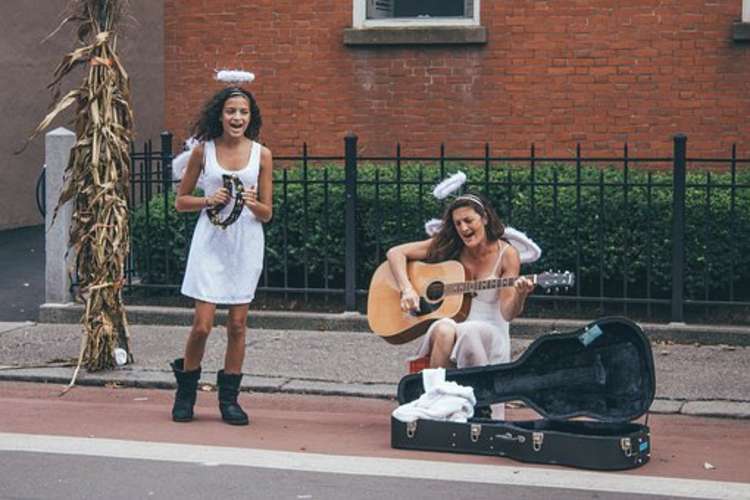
{"x": 208, "y": 126}
{"x": 447, "y": 244}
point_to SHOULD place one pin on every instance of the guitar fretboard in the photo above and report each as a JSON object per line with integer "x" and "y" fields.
{"x": 475, "y": 286}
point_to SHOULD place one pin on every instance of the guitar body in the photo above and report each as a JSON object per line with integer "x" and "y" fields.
{"x": 444, "y": 292}
{"x": 384, "y": 312}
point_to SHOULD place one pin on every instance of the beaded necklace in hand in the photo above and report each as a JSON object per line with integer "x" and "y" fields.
{"x": 232, "y": 183}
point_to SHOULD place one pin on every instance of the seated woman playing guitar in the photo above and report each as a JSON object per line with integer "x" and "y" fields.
{"x": 471, "y": 233}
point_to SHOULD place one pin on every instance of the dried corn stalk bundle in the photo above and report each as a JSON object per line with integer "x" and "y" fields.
{"x": 96, "y": 177}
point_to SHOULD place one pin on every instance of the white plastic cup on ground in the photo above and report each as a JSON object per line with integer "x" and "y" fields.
{"x": 121, "y": 357}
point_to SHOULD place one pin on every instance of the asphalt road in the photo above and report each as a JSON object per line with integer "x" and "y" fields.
{"x": 95, "y": 477}
{"x": 120, "y": 443}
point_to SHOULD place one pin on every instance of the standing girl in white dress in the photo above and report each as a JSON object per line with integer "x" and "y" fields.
{"x": 226, "y": 253}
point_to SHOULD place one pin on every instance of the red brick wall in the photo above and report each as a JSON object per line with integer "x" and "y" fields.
{"x": 599, "y": 72}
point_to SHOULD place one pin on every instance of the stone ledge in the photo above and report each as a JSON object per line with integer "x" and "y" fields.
{"x": 727, "y": 409}
{"x": 423, "y": 35}
{"x": 69, "y": 313}
{"x": 666, "y": 406}
{"x": 326, "y": 388}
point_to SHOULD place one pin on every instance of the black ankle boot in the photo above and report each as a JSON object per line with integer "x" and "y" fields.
{"x": 229, "y": 389}
{"x": 187, "y": 387}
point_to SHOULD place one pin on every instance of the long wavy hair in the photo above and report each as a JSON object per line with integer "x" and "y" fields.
{"x": 447, "y": 243}
{"x": 208, "y": 126}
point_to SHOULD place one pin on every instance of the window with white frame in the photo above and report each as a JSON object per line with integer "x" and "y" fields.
{"x": 385, "y": 13}
{"x": 746, "y": 11}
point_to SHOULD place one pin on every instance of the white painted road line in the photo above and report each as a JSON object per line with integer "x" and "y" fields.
{"x": 369, "y": 466}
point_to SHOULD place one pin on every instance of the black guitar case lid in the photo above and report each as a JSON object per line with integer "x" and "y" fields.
{"x": 603, "y": 371}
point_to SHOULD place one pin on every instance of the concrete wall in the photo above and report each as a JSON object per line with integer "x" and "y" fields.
{"x": 27, "y": 67}
{"x": 554, "y": 73}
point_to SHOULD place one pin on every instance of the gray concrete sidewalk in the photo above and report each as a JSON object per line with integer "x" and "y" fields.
{"x": 692, "y": 379}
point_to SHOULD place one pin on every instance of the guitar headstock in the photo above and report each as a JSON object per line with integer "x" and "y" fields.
{"x": 555, "y": 280}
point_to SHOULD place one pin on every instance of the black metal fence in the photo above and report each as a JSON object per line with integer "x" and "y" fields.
{"x": 335, "y": 216}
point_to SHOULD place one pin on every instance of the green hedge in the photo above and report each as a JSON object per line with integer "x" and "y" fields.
{"x": 613, "y": 233}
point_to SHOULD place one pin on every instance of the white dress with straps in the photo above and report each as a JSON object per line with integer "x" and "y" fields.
{"x": 483, "y": 338}
{"x": 224, "y": 265}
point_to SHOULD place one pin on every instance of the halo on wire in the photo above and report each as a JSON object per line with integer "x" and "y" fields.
{"x": 234, "y": 76}
{"x": 449, "y": 185}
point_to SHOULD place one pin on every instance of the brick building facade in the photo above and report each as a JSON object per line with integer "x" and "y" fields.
{"x": 598, "y": 72}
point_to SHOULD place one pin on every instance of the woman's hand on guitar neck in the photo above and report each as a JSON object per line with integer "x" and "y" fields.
{"x": 409, "y": 300}
{"x": 524, "y": 286}
{"x": 513, "y": 300}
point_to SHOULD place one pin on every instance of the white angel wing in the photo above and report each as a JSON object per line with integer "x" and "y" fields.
{"x": 432, "y": 227}
{"x": 180, "y": 162}
{"x": 528, "y": 251}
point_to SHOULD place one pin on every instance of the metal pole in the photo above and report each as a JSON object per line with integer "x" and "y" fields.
{"x": 678, "y": 228}
{"x": 166, "y": 161}
{"x": 350, "y": 233}
{"x": 166, "y": 187}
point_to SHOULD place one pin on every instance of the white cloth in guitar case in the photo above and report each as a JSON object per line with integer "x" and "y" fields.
{"x": 444, "y": 401}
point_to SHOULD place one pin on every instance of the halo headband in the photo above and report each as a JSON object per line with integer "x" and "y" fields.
{"x": 471, "y": 198}
{"x": 236, "y": 91}
{"x": 234, "y": 76}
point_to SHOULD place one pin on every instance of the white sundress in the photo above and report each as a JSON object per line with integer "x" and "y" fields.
{"x": 483, "y": 338}
{"x": 224, "y": 265}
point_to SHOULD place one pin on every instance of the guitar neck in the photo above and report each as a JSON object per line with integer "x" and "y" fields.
{"x": 489, "y": 284}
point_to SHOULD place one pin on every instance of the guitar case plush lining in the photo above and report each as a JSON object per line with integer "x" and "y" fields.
{"x": 603, "y": 372}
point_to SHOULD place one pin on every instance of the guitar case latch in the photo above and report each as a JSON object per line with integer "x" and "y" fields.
{"x": 476, "y": 430}
{"x": 411, "y": 429}
{"x": 626, "y": 446}
{"x": 537, "y": 438}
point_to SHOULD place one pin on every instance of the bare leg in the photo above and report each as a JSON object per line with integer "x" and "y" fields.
{"x": 442, "y": 339}
{"x": 196, "y": 343}
{"x": 473, "y": 350}
{"x": 236, "y": 322}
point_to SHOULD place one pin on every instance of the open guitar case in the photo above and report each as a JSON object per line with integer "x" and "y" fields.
{"x": 603, "y": 372}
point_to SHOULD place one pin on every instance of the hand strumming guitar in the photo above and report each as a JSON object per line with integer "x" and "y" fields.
{"x": 409, "y": 300}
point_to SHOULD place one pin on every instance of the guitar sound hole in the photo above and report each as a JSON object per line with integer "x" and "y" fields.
{"x": 435, "y": 291}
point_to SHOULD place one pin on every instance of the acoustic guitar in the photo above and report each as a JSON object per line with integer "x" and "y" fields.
{"x": 444, "y": 292}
